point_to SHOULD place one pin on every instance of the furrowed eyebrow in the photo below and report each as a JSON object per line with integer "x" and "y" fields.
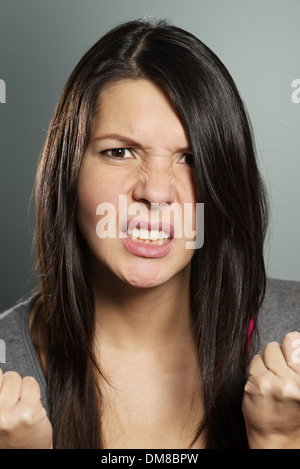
{"x": 130, "y": 143}
{"x": 124, "y": 140}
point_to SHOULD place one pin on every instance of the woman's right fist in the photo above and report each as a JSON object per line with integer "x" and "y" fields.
{"x": 23, "y": 420}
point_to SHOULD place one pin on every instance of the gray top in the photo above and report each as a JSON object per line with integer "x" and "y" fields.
{"x": 280, "y": 313}
{"x": 17, "y": 352}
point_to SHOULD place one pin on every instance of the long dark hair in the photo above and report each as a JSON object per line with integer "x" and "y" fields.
{"x": 228, "y": 273}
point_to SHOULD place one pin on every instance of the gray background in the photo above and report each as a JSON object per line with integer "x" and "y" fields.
{"x": 42, "y": 40}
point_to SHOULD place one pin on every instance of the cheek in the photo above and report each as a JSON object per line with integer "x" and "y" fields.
{"x": 86, "y": 213}
{"x": 189, "y": 207}
{"x": 96, "y": 205}
{"x": 88, "y": 193}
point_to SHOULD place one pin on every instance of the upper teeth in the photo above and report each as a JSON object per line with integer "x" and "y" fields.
{"x": 143, "y": 233}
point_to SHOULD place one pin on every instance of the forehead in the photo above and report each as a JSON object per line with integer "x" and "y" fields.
{"x": 140, "y": 110}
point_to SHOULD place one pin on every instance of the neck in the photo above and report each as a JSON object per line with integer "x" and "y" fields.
{"x": 142, "y": 319}
{"x": 148, "y": 356}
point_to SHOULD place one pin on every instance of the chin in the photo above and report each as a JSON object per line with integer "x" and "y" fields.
{"x": 145, "y": 279}
{"x": 144, "y": 282}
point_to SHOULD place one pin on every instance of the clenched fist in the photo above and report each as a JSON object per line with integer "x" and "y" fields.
{"x": 23, "y": 420}
{"x": 271, "y": 403}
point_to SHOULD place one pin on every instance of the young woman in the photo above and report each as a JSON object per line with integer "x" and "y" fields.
{"x": 135, "y": 338}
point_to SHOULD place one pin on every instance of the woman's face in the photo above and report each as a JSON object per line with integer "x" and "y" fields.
{"x": 134, "y": 181}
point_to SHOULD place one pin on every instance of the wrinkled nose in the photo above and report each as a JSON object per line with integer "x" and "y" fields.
{"x": 156, "y": 188}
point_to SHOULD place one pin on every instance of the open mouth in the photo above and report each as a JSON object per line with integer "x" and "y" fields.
{"x": 149, "y": 240}
{"x": 154, "y": 236}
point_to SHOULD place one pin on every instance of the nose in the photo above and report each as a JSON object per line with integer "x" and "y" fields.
{"x": 157, "y": 186}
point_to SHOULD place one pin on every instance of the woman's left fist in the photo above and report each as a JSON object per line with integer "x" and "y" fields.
{"x": 271, "y": 403}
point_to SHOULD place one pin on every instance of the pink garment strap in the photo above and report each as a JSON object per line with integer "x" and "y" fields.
{"x": 250, "y": 329}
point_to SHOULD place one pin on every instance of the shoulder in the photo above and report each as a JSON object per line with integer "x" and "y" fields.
{"x": 11, "y": 322}
{"x": 280, "y": 311}
{"x": 15, "y": 338}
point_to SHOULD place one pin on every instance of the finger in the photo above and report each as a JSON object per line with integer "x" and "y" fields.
{"x": 291, "y": 350}
{"x": 273, "y": 358}
{"x": 257, "y": 366}
{"x": 10, "y": 389}
{"x": 30, "y": 391}
{"x": 1, "y": 378}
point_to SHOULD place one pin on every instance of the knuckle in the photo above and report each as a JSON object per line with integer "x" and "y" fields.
{"x": 258, "y": 386}
{"x": 22, "y": 417}
{"x": 26, "y": 416}
{"x": 264, "y": 385}
{"x": 289, "y": 390}
{"x": 6, "y": 422}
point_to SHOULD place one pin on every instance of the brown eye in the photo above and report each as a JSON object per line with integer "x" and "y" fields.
{"x": 187, "y": 158}
{"x": 118, "y": 152}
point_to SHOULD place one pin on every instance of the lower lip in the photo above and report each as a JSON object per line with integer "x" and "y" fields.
{"x": 147, "y": 250}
